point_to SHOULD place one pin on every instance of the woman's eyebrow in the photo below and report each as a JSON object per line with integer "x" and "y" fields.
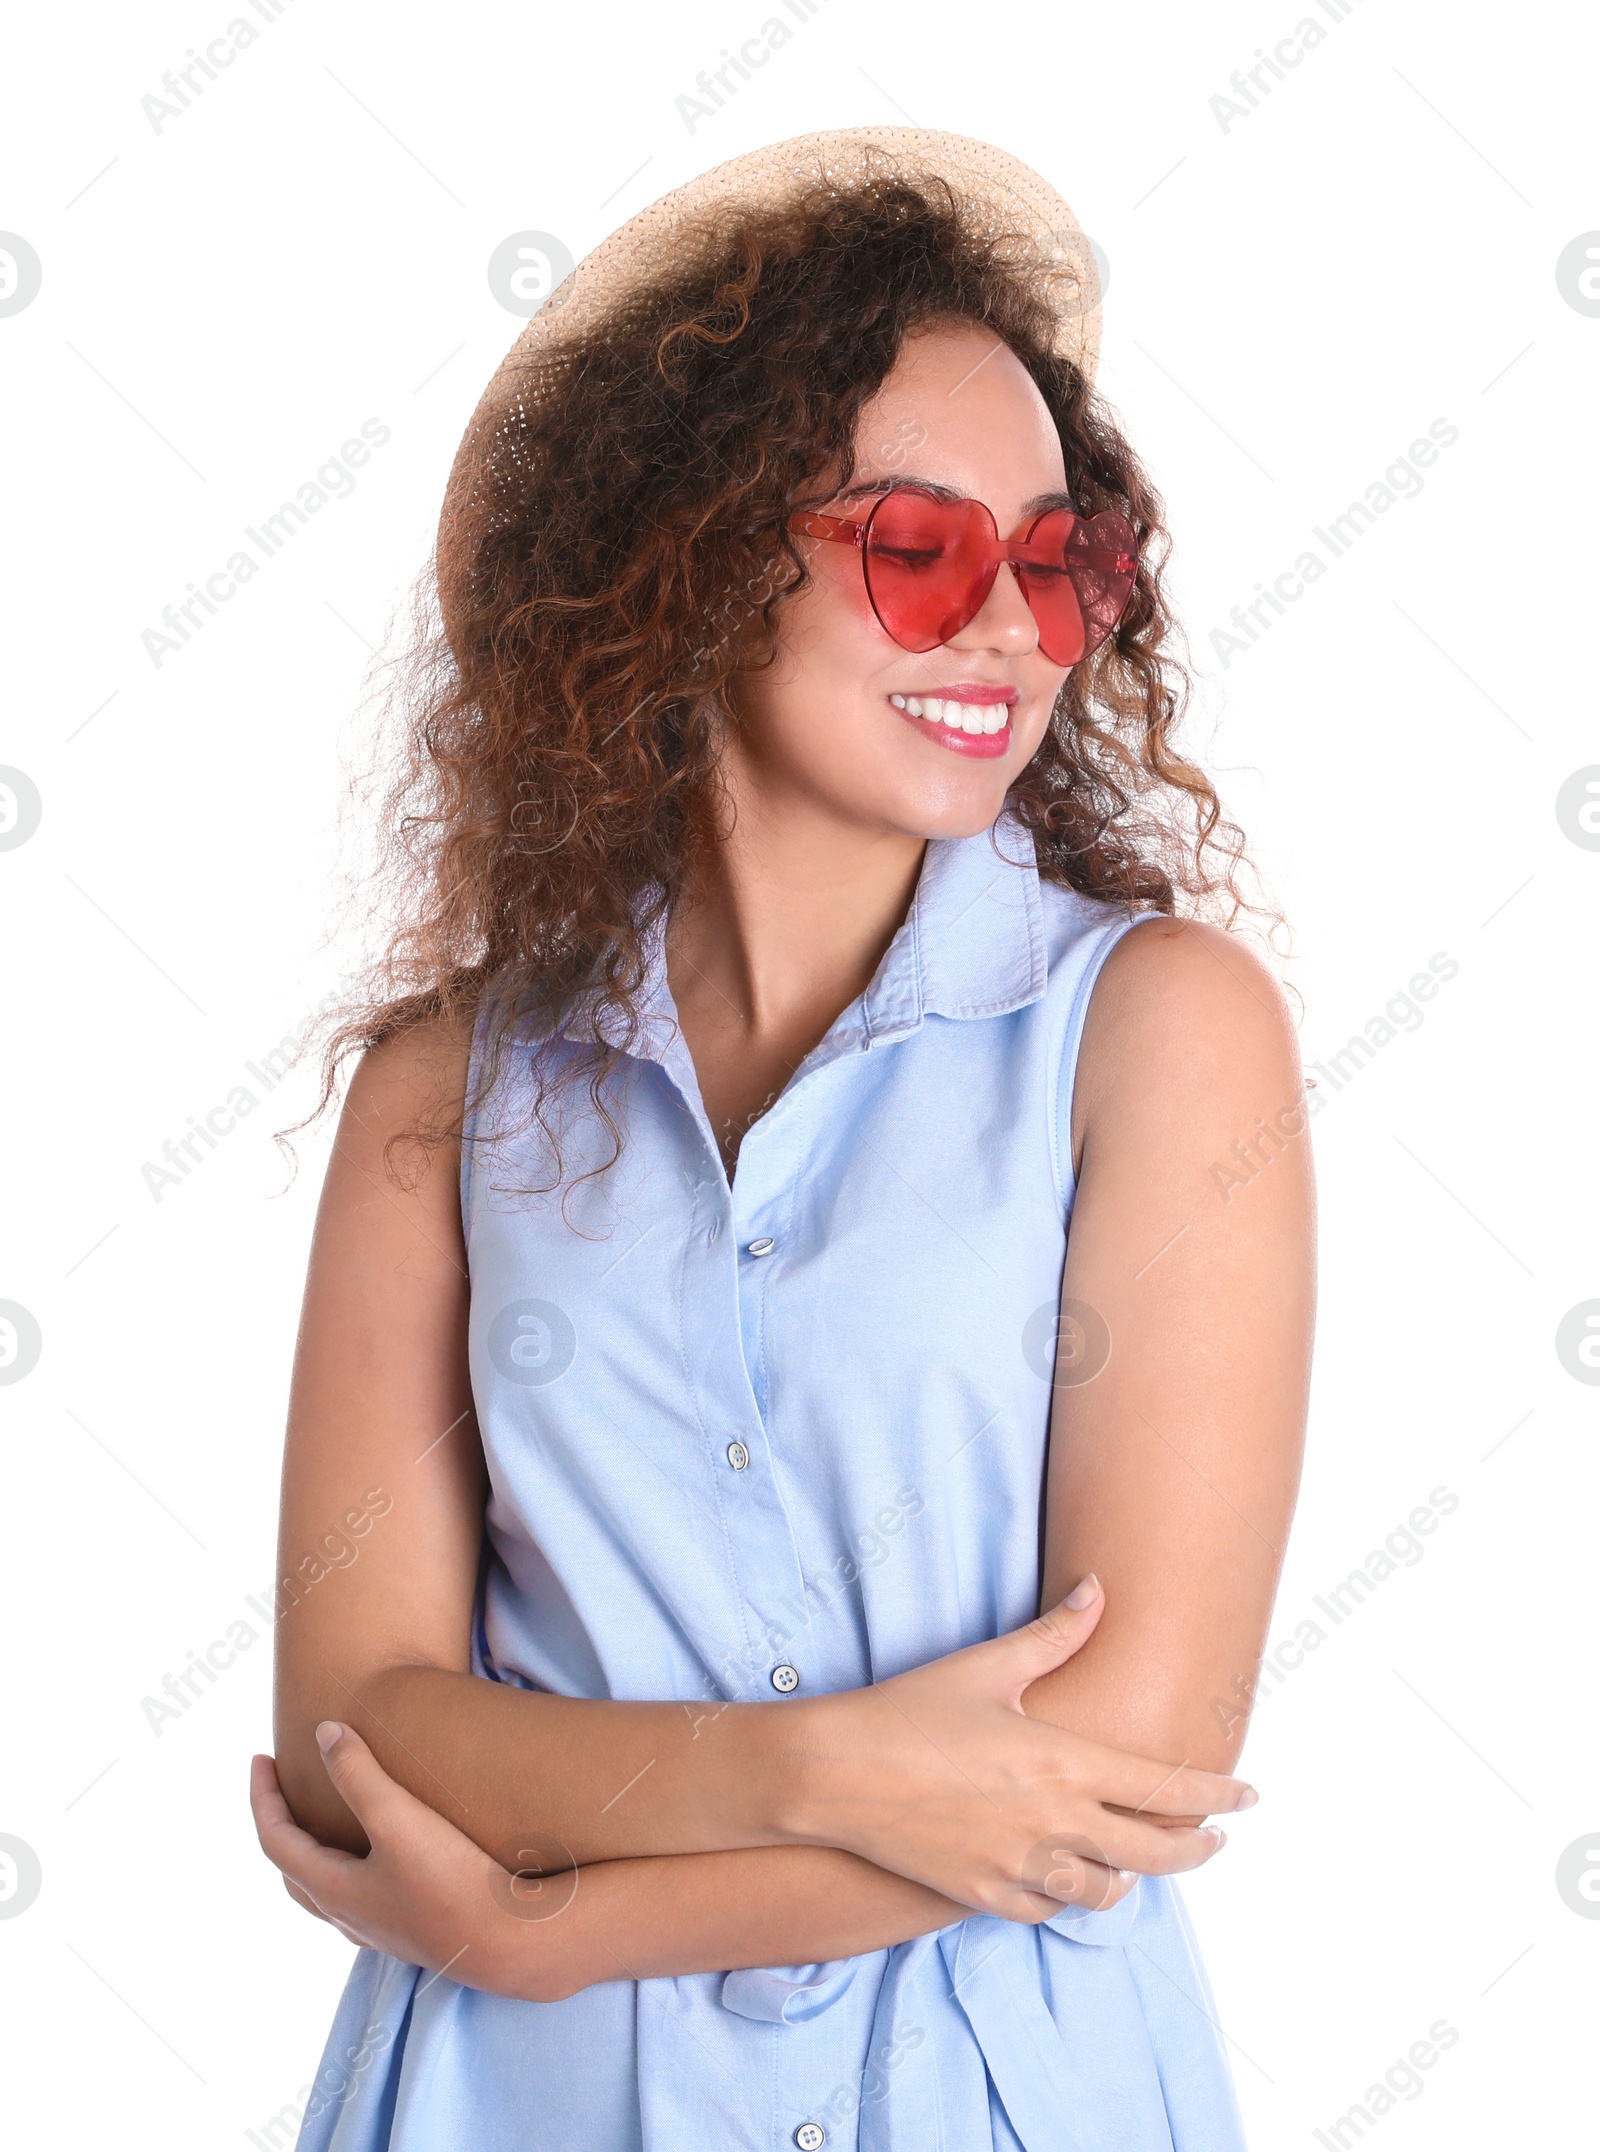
{"x": 934, "y": 486}
{"x": 1040, "y": 505}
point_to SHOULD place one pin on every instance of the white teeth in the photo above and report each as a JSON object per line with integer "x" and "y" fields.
{"x": 973, "y": 717}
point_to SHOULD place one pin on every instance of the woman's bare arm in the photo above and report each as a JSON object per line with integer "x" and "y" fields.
{"x": 383, "y": 1497}
{"x": 717, "y": 1912}
{"x": 427, "y": 1895}
{"x": 376, "y": 1631}
{"x": 1173, "y": 1471}
{"x": 1182, "y": 1049}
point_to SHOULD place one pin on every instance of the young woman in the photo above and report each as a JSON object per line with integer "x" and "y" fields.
{"x": 804, "y": 928}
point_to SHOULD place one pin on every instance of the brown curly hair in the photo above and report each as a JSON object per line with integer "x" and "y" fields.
{"x": 561, "y": 743}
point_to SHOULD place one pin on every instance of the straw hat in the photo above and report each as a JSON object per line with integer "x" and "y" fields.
{"x": 1001, "y": 198}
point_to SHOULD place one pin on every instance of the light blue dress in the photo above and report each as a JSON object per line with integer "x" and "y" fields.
{"x": 789, "y": 1437}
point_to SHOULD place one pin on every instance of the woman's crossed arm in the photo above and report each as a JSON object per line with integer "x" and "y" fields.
{"x": 807, "y": 1830}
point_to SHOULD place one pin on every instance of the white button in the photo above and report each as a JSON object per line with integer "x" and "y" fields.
{"x": 765, "y": 1247}
{"x": 738, "y": 1456}
{"x": 787, "y": 1678}
{"x": 809, "y": 2135}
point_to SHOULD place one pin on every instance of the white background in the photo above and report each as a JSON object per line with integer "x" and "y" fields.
{"x": 1292, "y": 299}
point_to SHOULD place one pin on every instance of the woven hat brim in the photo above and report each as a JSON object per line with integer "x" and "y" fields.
{"x": 996, "y": 193}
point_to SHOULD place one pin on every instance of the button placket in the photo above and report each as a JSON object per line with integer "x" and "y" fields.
{"x": 763, "y": 1189}
{"x": 763, "y": 1197}
{"x": 713, "y": 1328}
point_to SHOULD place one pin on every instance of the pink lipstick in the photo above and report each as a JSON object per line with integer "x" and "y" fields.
{"x": 971, "y": 717}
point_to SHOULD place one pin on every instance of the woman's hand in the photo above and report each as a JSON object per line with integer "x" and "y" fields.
{"x": 424, "y": 1894}
{"x": 936, "y": 1776}
{"x": 939, "y": 1775}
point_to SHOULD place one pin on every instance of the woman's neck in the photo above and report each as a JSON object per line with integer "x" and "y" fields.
{"x": 783, "y": 923}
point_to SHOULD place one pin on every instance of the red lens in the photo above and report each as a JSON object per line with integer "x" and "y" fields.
{"x": 930, "y": 565}
{"x": 1078, "y": 604}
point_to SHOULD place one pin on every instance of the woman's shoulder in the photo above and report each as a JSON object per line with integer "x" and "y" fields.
{"x": 422, "y": 1057}
{"x": 1190, "y": 963}
{"x": 1151, "y": 956}
{"x": 410, "y": 1083}
{"x": 1184, "y": 1005}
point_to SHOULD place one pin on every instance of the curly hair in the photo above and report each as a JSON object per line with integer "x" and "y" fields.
{"x": 561, "y": 742}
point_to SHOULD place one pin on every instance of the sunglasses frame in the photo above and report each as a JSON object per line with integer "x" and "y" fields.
{"x": 1016, "y": 552}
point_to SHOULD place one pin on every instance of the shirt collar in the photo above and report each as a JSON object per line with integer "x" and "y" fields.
{"x": 972, "y": 944}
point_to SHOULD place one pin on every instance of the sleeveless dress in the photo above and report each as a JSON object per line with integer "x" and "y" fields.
{"x": 789, "y": 1437}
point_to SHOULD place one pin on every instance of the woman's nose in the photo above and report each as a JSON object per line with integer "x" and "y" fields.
{"x": 1004, "y": 622}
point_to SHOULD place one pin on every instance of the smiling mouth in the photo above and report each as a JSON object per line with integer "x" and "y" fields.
{"x": 982, "y": 728}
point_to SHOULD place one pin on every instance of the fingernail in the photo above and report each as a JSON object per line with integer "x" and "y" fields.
{"x": 1247, "y": 1799}
{"x": 1084, "y": 1594}
{"x": 1220, "y": 1836}
{"x": 328, "y": 1733}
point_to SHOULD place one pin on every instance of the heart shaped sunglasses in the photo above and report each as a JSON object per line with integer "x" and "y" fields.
{"x": 930, "y": 564}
